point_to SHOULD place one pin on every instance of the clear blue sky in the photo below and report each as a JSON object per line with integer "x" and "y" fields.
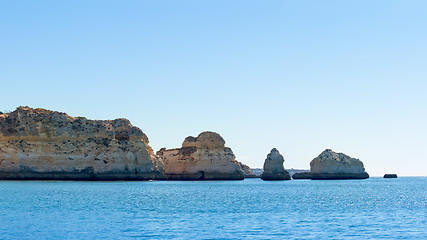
{"x": 301, "y": 76}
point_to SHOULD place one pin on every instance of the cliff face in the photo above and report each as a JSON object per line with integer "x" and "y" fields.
{"x": 273, "y": 167}
{"x": 43, "y": 144}
{"x": 332, "y": 165}
{"x": 201, "y": 158}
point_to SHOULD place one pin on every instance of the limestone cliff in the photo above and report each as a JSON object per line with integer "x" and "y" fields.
{"x": 273, "y": 167}
{"x": 43, "y": 144}
{"x": 332, "y": 165}
{"x": 204, "y": 157}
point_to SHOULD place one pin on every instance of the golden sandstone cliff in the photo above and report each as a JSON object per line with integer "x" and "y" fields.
{"x": 204, "y": 157}
{"x": 43, "y": 144}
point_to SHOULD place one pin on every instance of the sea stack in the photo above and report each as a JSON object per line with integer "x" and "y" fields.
{"x": 332, "y": 165}
{"x": 273, "y": 167}
{"x": 43, "y": 144}
{"x": 204, "y": 157}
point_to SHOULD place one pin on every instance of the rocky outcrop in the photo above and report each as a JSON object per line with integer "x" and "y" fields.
{"x": 273, "y": 167}
{"x": 204, "y": 157}
{"x": 302, "y": 175}
{"x": 390, "y": 175}
{"x": 332, "y": 165}
{"x": 43, "y": 144}
{"x": 247, "y": 171}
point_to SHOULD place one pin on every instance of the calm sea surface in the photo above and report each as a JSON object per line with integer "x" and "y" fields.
{"x": 375, "y": 208}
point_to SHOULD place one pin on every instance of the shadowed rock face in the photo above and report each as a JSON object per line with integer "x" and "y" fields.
{"x": 43, "y": 144}
{"x": 201, "y": 158}
{"x": 247, "y": 171}
{"x": 273, "y": 167}
{"x": 332, "y": 165}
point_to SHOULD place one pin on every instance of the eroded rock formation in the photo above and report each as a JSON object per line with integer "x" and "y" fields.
{"x": 43, "y": 144}
{"x": 247, "y": 171}
{"x": 332, "y": 165}
{"x": 273, "y": 167}
{"x": 204, "y": 157}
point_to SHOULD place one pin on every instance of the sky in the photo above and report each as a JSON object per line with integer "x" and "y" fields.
{"x": 301, "y": 76}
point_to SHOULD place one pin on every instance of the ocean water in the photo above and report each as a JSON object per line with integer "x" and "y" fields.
{"x": 375, "y": 208}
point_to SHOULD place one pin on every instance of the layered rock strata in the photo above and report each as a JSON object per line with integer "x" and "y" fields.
{"x": 43, "y": 144}
{"x": 273, "y": 167}
{"x": 332, "y": 165}
{"x": 204, "y": 157}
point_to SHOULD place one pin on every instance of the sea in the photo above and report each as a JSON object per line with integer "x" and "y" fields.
{"x": 375, "y": 208}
